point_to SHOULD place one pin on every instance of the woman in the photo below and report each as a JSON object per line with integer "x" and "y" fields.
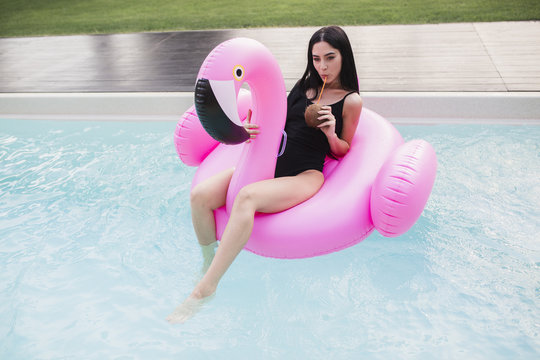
{"x": 298, "y": 174}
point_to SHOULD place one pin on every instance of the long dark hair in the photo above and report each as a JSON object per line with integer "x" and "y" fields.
{"x": 337, "y": 38}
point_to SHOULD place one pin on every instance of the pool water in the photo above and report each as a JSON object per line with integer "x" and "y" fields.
{"x": 97, "y": 248}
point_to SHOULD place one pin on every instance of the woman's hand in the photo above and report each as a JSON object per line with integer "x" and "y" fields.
{"x": 252, "y": 129}
{"x": 328, "y": 127}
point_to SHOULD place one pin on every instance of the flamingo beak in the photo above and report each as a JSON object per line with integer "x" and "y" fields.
{"x": 215, "y": 103}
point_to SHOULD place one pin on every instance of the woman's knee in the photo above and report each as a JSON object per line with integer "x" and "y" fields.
{"x": 197, "y": 196}
{"x": 245, "y": 200}
{"x": 202, "y": 197}
{"x": 212, "y": 192}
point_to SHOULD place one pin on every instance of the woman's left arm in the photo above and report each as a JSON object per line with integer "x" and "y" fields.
{"x": 339, "y": 145}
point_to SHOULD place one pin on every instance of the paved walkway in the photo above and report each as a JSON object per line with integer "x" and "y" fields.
{"x": 483, "y": 57}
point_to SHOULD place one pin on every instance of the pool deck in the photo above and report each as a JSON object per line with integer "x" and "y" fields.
{"x": 491, "y": 69}
{"x": 479, "y": 57}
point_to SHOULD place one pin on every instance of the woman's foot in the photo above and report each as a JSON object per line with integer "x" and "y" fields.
{"x": 190, "y": 306}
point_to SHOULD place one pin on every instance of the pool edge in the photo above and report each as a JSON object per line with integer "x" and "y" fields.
{"x": 398, "y": 107}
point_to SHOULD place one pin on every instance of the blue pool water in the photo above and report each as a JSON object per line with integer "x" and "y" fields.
{"x": 96, "y": 248}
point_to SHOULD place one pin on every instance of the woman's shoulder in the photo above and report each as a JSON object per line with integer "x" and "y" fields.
{"x": 352, "y": 105}
{"x": 353, "y": 99}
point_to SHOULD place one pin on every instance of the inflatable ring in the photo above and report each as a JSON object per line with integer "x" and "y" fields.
{"x": 381, "y": 183}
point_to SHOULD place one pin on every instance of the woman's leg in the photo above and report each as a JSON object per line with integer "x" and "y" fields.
{"x": 205, "y": 198}
{"x": 268, "y": 196}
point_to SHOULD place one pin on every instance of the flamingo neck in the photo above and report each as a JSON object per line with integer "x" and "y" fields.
{"x": 258, "y": 159}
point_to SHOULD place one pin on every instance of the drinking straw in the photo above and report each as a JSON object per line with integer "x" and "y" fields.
{"x": 324, "y": 83}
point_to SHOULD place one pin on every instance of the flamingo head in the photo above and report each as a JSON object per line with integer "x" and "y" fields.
{"x": 220, "y": 78}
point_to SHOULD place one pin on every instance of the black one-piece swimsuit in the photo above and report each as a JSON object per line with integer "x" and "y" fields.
{"x": 306, "y": 148}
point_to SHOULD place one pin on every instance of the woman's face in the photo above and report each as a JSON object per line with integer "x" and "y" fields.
{"x": 327, "y": 61}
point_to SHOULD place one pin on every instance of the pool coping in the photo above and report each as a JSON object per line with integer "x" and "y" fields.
{"x": 398, "y": 107}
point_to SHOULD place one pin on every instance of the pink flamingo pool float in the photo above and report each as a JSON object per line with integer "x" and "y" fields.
{"x": 382, "y": 183}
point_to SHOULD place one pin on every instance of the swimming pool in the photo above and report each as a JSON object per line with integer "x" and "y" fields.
{"x": 96, "y": 248}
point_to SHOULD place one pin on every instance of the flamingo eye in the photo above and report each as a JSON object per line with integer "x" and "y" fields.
{"x": 238, "y": 72}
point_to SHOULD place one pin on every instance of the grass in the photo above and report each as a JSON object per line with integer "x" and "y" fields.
{"x": 61, "y": 17}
